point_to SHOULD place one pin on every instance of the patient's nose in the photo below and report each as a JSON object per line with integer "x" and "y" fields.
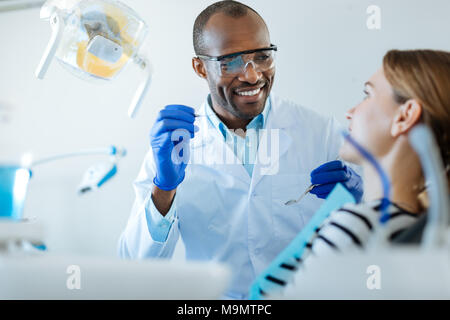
{"x": 349, "y": 113}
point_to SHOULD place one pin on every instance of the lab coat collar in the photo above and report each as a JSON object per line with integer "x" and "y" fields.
{"x": 210, "y": 146}
{"x": 278, "y": 122}
{"x": 278, "y": 116}
{"x": 257, "y": 123}
{"x": 211, "y": 141}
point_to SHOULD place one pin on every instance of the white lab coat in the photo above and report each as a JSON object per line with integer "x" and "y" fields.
{"x": 223, "y": 214}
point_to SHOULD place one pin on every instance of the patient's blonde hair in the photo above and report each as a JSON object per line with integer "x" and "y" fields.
{"x": 424, "y": 75}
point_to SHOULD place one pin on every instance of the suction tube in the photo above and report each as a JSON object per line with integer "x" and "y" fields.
{"x": 386, "y": 184}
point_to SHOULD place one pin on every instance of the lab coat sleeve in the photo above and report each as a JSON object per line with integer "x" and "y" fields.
{"x": 148, "y": 233}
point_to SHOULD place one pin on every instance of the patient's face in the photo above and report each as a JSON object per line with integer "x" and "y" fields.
{"x": 371, "y": 120}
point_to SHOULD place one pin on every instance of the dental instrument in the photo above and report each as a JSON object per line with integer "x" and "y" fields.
{"x": 308, "y": 190}
{"x": 291, "y": 202}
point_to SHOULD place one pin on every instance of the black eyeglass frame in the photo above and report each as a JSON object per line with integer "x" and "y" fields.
{"x": 232, "y": 55}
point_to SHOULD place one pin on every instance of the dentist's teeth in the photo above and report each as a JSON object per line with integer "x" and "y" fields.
{"x": 249, "y": 93}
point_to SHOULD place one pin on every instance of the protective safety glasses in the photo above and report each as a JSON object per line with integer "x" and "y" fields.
{"x": 232, "y": 65}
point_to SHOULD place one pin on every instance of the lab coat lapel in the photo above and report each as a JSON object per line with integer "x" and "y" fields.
{"x": 274, "y": 143}
{"x": 210, "y": 145}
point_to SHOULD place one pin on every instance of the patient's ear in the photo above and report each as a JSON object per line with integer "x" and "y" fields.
{"x": 406, "y": 118}
{"x": 199, "y": 67}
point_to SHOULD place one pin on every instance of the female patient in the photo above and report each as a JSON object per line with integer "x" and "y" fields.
{"x": 412, "y": 87}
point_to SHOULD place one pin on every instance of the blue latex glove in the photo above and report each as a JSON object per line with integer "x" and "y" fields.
{"x": 328, "y": 174}
{"x": 169, "y": 158}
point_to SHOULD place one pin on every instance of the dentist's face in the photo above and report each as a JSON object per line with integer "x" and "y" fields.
{"x": 371, "y": 120}
{"x": 243, "y": 96}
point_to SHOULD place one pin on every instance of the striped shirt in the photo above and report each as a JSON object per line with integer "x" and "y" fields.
{"x": 346, "y": 229}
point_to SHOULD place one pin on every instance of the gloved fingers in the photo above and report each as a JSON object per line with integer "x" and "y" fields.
{"x": 179, "y": 107}
{"x": 167, "y": 125}
{"x": 322, "y": 191}
{"x": 167, "y": 140}
{"x": 176, "y": 115}
{"x": 330, "y": 177}
{"x": 179, "y": 137}
{"x": 159, "y": 137}
{"x": 162, "y": 141}
{"x": 354, "y": 184}
{"x": 352, "y": 173}
{"x": 322, "y": 195}
{"x": 329, "y": 166}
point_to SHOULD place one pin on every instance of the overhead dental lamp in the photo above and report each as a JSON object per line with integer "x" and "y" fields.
{"x": 95, "y": 40}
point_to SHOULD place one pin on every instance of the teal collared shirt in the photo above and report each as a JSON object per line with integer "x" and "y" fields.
{"x": 244, "y": 144}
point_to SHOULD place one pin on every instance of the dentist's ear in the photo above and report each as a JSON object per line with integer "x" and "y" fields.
{"x": 407, "y": 117}
{"x": 199, "y": 67}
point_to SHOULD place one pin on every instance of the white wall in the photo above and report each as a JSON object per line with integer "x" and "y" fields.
{"x": 326, "y": 53}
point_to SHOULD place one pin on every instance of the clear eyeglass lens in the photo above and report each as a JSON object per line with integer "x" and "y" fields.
{"x": 263, "y": 61}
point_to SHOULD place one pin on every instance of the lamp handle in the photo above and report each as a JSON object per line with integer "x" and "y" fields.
{"x": 57, "y": 24}
{"x": 143, "y": 87}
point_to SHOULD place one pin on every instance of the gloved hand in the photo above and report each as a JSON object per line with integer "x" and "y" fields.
{"x": 331, "y": 173}
{"x": 171, "y": 157}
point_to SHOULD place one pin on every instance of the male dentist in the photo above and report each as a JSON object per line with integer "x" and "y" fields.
{"x": 244, "y": 154}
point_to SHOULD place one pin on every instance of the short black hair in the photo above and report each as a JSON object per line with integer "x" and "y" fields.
{"x": 230, "y": 8}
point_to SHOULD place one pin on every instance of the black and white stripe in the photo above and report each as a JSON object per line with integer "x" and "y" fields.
{"x": 346, "y": 229}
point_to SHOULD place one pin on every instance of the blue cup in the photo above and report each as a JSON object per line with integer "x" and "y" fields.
{"x": 13, "y": 189}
